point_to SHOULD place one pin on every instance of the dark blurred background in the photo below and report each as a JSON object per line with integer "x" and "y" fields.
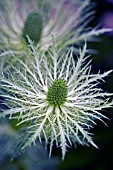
{"x": 81, "y": 158}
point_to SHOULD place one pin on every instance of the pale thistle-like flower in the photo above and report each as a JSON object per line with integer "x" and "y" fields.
{"x": 66, "y": 19}
{"x": 58, "y": 100}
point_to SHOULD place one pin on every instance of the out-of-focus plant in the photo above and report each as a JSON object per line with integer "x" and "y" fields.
{"x": 38, "y": 19}
{"x": 33, "y": 158}
{"x": 7, "y": 139}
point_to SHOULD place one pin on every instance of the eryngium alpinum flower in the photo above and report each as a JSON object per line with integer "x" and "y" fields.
{"x": 66, "y": 19}
{"x": 55, "y": 98}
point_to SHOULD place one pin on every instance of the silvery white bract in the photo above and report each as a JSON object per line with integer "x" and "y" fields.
{"x": 55, "y": 98}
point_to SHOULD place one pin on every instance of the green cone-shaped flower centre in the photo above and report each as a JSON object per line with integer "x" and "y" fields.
{"x": 33, "y": 27}
{"x": 57, "y": 93}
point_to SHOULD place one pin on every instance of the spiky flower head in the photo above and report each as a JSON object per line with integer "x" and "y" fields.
{"x": 66, "y": 19}
{"x": 55, "y": 98}
{"x": 33, "y": 27}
